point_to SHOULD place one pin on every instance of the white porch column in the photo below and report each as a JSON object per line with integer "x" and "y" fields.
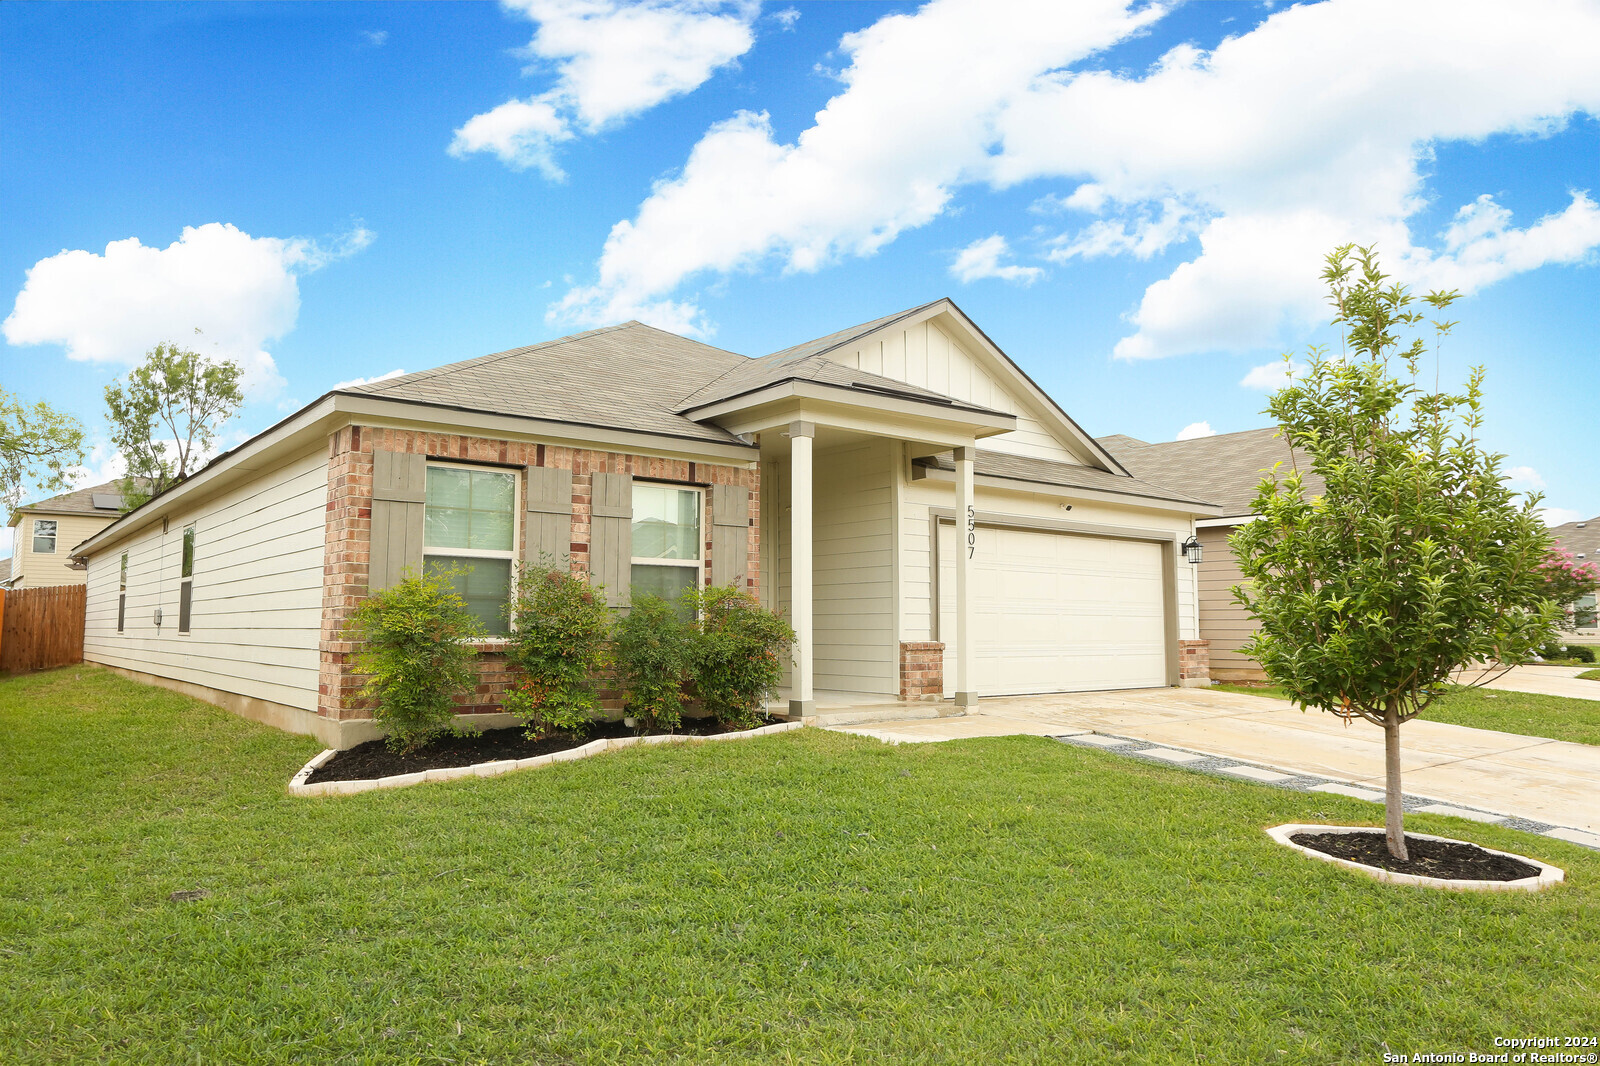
{"x": 802, "y": 697}
{"x": 966, "y": 550}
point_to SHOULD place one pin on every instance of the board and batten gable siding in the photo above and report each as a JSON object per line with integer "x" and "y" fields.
{"x": 39, "y": 569}
{"x": 920, "y": 497}
{"x": 927, "y": 355}
{"x": 1223, "y": 621}
{"x": 257, "y": 599}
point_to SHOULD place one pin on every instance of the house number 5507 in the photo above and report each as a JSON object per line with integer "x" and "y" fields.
{"x": 972, "y": 531}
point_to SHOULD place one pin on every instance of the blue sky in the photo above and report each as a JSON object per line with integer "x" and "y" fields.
{"x": 1133, "y": 201}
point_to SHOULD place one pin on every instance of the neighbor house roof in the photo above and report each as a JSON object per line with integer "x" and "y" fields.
{"x": 104, "y": 499}
{"x": 5, "y": 571}
{"x": 1225, "y": 468}
{"x": 1063, "y": 475}
{"x": 620, "y": 377}
{"x": 1580, "y": 538}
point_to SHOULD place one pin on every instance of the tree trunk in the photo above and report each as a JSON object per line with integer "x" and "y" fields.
{"x": 1393, "y": 813}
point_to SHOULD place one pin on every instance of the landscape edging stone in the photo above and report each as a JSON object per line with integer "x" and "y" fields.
{"x": 1548, "y": 875}
{"x": 299, "y": 787}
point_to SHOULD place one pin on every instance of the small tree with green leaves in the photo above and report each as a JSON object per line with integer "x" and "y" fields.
{"x": 417, "y": 654}
{"x": 737, "y": 653}
{"x": 1417, "y": 559}
{"x": 652, "y": 648}
{"x": 38, "y": 447}
{"x": 560, "y": 641}
{"x": 167, "y": 415}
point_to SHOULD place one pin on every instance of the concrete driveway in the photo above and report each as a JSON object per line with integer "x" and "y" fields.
{"x": 1543, "y": 680}
{"x": 1545, "y": 780}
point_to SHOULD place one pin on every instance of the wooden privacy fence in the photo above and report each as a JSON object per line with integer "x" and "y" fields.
{"x": 41, "y": 628}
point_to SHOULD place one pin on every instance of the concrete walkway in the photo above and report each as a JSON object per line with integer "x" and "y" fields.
{"x": 1549, "y": 781}
{"x": 1543, "y": 680}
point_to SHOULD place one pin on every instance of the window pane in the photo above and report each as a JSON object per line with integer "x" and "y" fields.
{"x": 469, "y": 509}
{"x": 188, "y": 552}
{"x": 486, "y": 587}
{"x": 668, "y": 582}
{"x": 666, "y": 522}
{"x": 44, "y": 536}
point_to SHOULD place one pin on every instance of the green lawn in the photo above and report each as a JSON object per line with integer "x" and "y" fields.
{"x": 1528, "y": 713}
{"x": 807, "y": 897}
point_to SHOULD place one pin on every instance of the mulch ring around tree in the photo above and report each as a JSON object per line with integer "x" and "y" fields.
{"x": 1449, "y": 860}
{"x": 374, "y": 760}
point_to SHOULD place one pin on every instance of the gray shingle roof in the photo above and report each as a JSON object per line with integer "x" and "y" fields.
{"x": 1224, "y": 469}
{"x": 79, "y": 501}
{"x": 1581, "y": 537}
{"x": 809, "y": 362}
{"x": 5, "y": 570}
{"x": 622, "y": 377}
{"x": 1065, "y": 475}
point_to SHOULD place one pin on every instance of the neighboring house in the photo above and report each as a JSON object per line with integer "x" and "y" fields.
{"x": 47, "y": 531}
{"x": 1225, "y": 469}
{"x": 930, "y": 522}
{"x": 1582, "y": 539}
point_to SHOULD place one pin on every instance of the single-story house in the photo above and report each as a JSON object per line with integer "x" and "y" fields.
{"x": 41, "y": 547}
{"x": 1582, "y": 539}
{"x": 933, "y": 525}
{"x": 1226, "y": 469}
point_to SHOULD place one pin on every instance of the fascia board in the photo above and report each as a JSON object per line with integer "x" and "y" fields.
{"x": 408, "y": 413}
{"x": 1126, "y": 499}
{"x": 738, "y": 414}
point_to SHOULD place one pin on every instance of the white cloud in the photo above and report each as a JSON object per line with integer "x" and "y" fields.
{"x": 1524, "y": 477}
{"x": 376, "y": 38}
{"x": 613, "y": 60}
{"x": 1560, "y": 516}
{"x": 914, "y": 122}
{"x": 215, "y": 289}
{"x": 981, "y": 259}
{"x": 353, "y": 382}
{"x": 1272, "y": 376}
{"x": 5, "y": 541}
{"x": 1309, "y": 130}
{"x": 1194, "y": 430}
{"x": 787, "y": 17}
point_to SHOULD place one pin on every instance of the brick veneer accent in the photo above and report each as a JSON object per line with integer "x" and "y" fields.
{"x": 921, "y": 670}
{"x": 348, "y": 536}
{"x": 1194, "y": 660}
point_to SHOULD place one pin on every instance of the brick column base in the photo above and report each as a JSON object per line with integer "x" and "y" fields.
{"x": 921, "y": 670}
{"x": 1194, "y": 663}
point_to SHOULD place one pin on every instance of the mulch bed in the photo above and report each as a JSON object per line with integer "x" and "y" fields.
{"x": 1449, "y": 860}
{"x": 373, "y": 759}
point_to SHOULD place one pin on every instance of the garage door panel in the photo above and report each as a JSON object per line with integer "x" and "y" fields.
{"x": 1058, "y": 612}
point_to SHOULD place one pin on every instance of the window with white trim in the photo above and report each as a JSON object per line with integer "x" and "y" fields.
{"x": 122, "y": 594}
{"x": 44, "y": 536}
{"x": 186, "y": 582}
{"x": 667, "y": 545}
{"x": 470, "y": 522}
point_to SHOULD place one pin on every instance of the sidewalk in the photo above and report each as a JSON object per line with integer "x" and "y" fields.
{"x": 1545, "y": 781}
{"x": 1542, "y": 680}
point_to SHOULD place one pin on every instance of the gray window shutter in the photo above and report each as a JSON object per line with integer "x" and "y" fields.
{"x": 399, "y": 495}
{"x": 730, "y": 535}
{"x": 549, "y": 527}
{"x": 611, "y": 536}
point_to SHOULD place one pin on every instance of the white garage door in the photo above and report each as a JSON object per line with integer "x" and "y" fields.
{"x": 1058, "y": 612}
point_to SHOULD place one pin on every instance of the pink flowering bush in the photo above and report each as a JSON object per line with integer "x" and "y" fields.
{"x": 1567, "y": 581}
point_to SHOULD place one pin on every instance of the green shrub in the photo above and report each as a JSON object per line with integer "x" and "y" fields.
{"x": 652, "y": 647}
{"x": 1581, "y": 652}
{"x": 416, "y": 656}
{"x": 737, "y": 653}
{"x": 560, "y": 631}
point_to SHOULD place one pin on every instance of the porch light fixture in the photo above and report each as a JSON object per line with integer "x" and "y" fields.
{"x": 1191, "y": 550}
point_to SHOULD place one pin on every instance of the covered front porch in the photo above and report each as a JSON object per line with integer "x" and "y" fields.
{"x": 833, "y": 464}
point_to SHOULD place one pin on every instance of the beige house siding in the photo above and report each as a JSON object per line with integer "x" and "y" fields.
{"x": 257, "y": 599}
{"x": 927, "y": 355}
{"x": 1222, "y": 621}
{"x": 51, "y": 569}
